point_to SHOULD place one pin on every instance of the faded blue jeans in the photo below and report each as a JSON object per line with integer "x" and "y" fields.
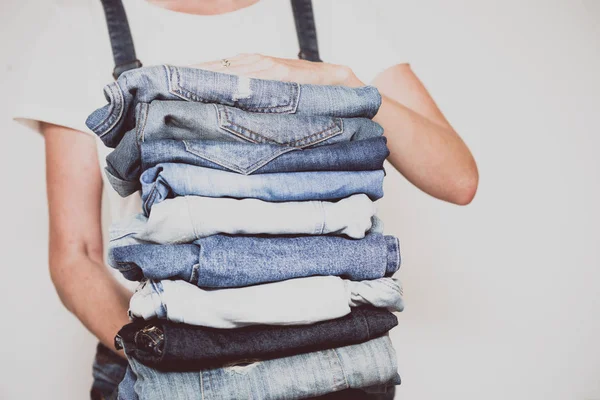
{"x": 170, "y": 180}
{"x": 296, "y": 301}
{"x": 144, "y": 85}
{"x": 371, "y": 366}
{"x": 184, "y": 219}
{"x": 222, "y": 261}
{"x": 222, "y": 137}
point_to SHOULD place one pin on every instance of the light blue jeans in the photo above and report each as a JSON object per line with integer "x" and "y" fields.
{"x": 370, "y": 365}
{"x": 187, "y": 218}
{"x": 245, "y": 142}
{"x": 144, "y": 85}
{"x": 297, "y": 301}
{"x": 170, "y": 180}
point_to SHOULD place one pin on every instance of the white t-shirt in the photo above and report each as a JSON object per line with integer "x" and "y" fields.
{"x": 71, "y": 61}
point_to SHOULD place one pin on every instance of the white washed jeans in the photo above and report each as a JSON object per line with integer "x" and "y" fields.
{"x": 292, "y": 302}
{"x": 187, "y": 218}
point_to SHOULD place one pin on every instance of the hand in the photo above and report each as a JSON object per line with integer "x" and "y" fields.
{"x": 283, "y": 69}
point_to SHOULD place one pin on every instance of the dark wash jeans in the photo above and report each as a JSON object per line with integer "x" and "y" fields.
{"x": 170, "y": 346}
{"x": 144, "y": 85}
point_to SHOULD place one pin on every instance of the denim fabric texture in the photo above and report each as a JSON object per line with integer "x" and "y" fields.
{"x": 144, "y": 85}
{"x": 387, "y": 391}
{"x": 297, "y": 301}
{"x": 187, "y": 218}
{"x": 168, "y": 346}
{"x": 222, "y": 137}
{"x": 222, "y": 261}
{"x": 371, "y": 365}
{"x": 130, "y": 231}
{"x": 265, "y": 272}
{"x": 170, "y": 180}
{"x": 108, "y": 370}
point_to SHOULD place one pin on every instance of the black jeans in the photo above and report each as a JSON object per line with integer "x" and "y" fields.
{"x": 169, "y": 346}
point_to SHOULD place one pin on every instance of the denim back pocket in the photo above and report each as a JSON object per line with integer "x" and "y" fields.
{"x": 243, "y": 158}
{"x": 256, "y": 95}
{"x": 283, "y": 130}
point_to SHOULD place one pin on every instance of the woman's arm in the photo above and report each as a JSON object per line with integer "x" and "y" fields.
{"x": 423, "y": 146}
{"x": 74, "y": 186}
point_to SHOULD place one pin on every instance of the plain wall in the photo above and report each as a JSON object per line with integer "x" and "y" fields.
{"x": 502, "y": 296}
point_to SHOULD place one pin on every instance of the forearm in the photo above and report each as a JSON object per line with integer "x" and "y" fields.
{"x": 429, "y": 155}
{"x": 426, "y": 151}
{"x": 92, "y": 294}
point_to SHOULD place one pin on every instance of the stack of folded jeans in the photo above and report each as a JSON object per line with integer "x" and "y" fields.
{"x": 264, "y": 270}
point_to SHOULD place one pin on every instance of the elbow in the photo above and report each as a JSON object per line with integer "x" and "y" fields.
{"x": 59, "y": 274}
{"x": 465, "y": 187}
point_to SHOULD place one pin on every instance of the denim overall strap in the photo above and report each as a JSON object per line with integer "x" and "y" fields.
{"x": 306, "y": 30}
{"x": 120, "y": 37}
{"x": 124, "y": 51}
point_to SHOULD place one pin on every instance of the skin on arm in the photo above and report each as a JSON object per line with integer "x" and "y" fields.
{"x": 423, "y": 146}
{"x": 74, "y": 186}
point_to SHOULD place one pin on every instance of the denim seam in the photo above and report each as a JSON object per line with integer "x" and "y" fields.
{"x": 195, "y": 275}
{"x": 150, "y": 198}
{"x": 201, "y": 384}
{"x": 177, "y": 87}
{"x": 140, "y": 134}
{"x": 331, "y": 367}
{"x": 244, "y": 171}
{"x": 390, "y": 286}
{"x": 397, "y": 249}
{"x": 115, "y": 237}
{"x": 392, "y": 250}
{"x": 322, "y": 135}
{"x": 191, "y": 217}
{"x": 323, "y": 218}
{"x": 157, "y": 286}
{"x": 117, "y": 104}
{"x": 366, "y": 322}
{"x": 125, "y": 266}
{"x": 341, "y": 367}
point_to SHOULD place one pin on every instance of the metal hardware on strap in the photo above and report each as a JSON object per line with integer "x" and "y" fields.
{"x": 120, "y": 37}
{"x": 306, "y": 30}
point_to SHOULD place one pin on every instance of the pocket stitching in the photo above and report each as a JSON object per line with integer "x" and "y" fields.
{"x": 336, "y": 129}
{"x": 111, "y": 120}
{"x": 244, "y": 171}
{"x": 177, "y": 89}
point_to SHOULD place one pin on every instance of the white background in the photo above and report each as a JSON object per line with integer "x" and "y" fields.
{"x": 502, "y": 296}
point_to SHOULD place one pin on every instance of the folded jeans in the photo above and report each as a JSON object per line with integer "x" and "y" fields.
{"x": 223, "y": 261}
{"x": 299, "y": 376}
{"x": 138, "y": 152}
{"x": 297, "y": 301}
{"x": 169, "y": 346}
{"x": 144, "y": 85}
{"x": 170, "y": 180}
{"x": 184, "y": 219}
